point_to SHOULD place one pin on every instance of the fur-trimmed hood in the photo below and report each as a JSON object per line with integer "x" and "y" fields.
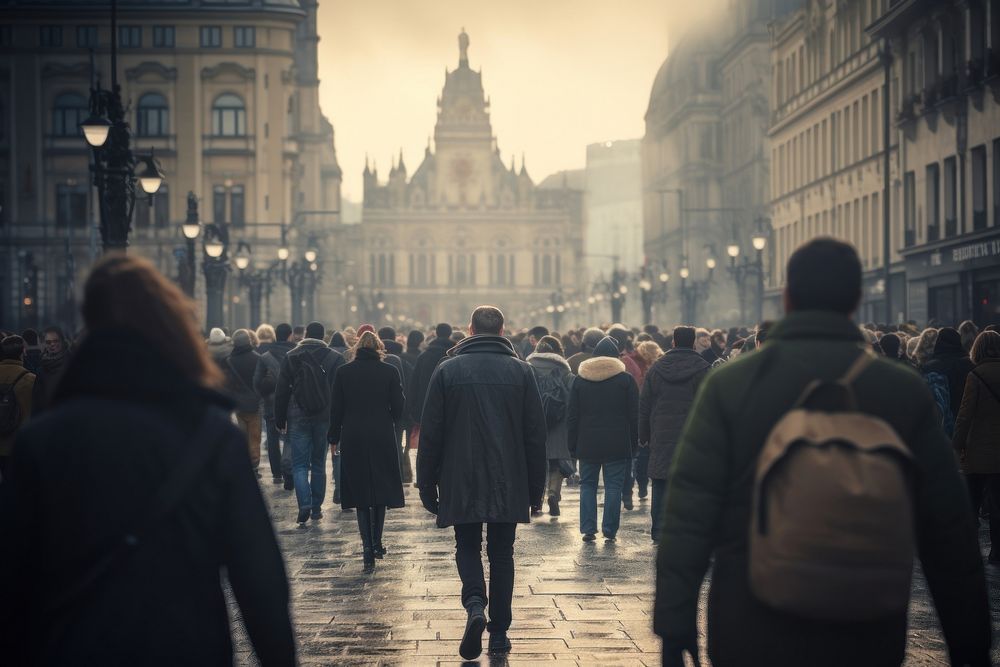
{"x": 547, "y": 360}
{"x": 598, "y": 369}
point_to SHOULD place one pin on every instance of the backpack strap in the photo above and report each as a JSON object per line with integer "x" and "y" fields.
{"x": 859, "y": 366}
{"x": 229, "y": 362}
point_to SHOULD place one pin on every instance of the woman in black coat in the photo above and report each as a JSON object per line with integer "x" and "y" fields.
{"x": 603, "y": 424}
{"x": 129, "y": 494}
{"x": 368, "y": 409}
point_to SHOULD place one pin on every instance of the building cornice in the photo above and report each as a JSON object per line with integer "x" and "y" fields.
{"x": 245, "y": 73}
{"x": 150, "y": 67}
{"x": 79, "y": 70}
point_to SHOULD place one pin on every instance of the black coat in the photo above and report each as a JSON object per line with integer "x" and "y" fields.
{"x": 239, "y": 368}
{"x": 416, "y": 390}
{"x": 482, "y": 435}
{"x": 265, "y": 377}
{"x": 952, "y": 362}
{"x": 552, "y": 364}
{"x": 85, "y": 474}
{"x": 284, "y": 400}
{"x": 667, "y": 396}
{"x": 368, "y": 406}
{"x": 603, "y": 412}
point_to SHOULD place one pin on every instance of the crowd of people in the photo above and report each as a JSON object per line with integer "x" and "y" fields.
{"x": 501, "y": 422}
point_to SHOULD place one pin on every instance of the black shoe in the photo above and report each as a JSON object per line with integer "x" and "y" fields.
{"x": 643, "y": 492}
{"x": 627, "y": 502}
{"x": 278, "y": 480}
{"x": 369, "y": 560}
{"x": 303, "y": 515}
{"x": 536, "y": 510}
{"x": 289, "y": 484}
{"x": 317, "y": 515}
{"x": 553, "y": 507}
{"x": 379, "y": 551}
{"x": 609, "y": 537}
{"x": 589, "y": 537}
{"x": 336, "y": 497}
{"x": 472, "y": 641}
{"x": 499, "y": 643}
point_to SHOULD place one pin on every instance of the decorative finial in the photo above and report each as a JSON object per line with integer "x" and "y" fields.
{"x": 463, "y": 49}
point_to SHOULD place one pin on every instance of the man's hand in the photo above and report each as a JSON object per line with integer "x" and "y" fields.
{"x": 429, "y": 499}
{"x": 674, "y": 650}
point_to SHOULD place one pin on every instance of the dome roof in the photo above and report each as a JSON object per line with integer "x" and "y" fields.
{"x": 675, "y": 74}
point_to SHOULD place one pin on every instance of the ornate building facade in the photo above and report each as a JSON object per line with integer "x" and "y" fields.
{"x": 464, "y": 229}
{"x": 227, "y": 96}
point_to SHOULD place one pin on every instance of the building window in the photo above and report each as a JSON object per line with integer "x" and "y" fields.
{"x": 950, "y": 198}
{"x": 68, "y": 111}
{"x": 71, "y": 206}
{"x": 229, "y": 117}
{"x": 979, "y": 187}
{"x": 218, "y": 204}
{"x": 909, "y": 209}
{"x": 130, "y": 36}
{"x": 50, "y": 36}
{"x": 153, "y": 116}
{"x": 933, "y": 186}
{"x": 164, "y": 36}
{"x": 237, "y": 206}
{"x": 244, "y": 36}
{"x": 86, "y": 36}
{"x": 211, "y": 36}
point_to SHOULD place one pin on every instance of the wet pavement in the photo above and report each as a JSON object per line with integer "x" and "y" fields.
{"x": 575, "y": 603}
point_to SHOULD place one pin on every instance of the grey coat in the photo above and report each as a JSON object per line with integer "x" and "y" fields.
{"x": 556, "y": 447}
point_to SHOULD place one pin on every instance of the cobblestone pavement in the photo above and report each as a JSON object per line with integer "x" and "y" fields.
{"x": 574, "y": 603}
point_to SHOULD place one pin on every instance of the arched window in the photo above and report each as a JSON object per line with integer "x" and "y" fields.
{"x": 229, "y": 116}
{"x": 68, "y": 111}
{"x": 152, "y": 116}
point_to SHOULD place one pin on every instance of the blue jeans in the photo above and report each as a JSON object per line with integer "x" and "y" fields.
{"x": 656, "y": 509}
{"x": 614, "y": 479}
{"x": 307, "y": 438}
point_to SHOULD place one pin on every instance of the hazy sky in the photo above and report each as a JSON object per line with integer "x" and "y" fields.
{"x": 560, "y": 73}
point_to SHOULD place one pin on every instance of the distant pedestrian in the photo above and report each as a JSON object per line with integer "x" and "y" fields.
{"x": 603, "y": 435}
{"x": 713, "y": 508}
{"x": 434, "y": 352}
{"x": 265, "y": 381}
{"x": 298, "y": 333}
{"x": 889, "y": 345}
{"x": 666, "y": 399}
{"x": 952, "y": 363}
{"x": 968, "y": 331}
{"x": 591, "y": 337}
{"x": 239, "y": 370}
{"x": 128, "y": 496}
{"x": 482, "y": 460}
{"x": 17, "y": 385}
{"x": 219, "y": 346}
{"x": 303, "y": 405}
{"x": 368, "y": 405}
{"x": 55, "y": 354}
{"x": 716, "y": 348}
{"x": 554, "y": 384}
{"x": 977, "y": 433}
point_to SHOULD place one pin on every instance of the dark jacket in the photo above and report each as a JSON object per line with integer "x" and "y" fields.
{"x": 33, "y": 359}
{"x": 707, "y": 511}
{"x": 977, "y": 426}
{"x": 577, "y": 359}
{"x": 666, "y": 399}
{"x": 482, "y": 435}
{"x": 47, "y": 378}
{"x": 13, "y": 373}
{"x": 265, "y": 377}
{"x": 163, "y": 602}
{"x": 427, "y": 362}
{"x": 951, "y": 360}
{"x": 553, "y": 364}
{"x": 368, "y": 405}
{"x": 603, "y": 412}
{"x": 392, "y": 347}
{"x": 285, "y": 404}
{"x": 239, "y": 368}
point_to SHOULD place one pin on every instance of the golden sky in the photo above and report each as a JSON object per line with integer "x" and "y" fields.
{"x": 560, "y": 73}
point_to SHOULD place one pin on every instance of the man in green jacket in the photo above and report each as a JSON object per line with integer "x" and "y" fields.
{"x": 707, "y": 513}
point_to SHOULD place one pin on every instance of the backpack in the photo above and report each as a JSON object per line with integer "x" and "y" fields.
{"x": 832, "y": 531}
{"x": 938, "y": 384}
{"x": 10, "y": 410}
{"x": 312, "y": 384}
{"x": 555, "y": 397}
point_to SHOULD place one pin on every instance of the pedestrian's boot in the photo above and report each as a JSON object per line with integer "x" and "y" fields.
{"x": 303, "y": 516}
{"x": 378, "y": 523}
{"x": 553, "y": 506}
{"x": 472, "y": 641}
{"x": 499, "y": 643}
{"x": 643, "y": 491}
{"x": 365, "y": 528}
{"x": 627, "y": 500}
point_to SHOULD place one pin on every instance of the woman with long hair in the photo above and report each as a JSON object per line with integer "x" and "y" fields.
{"x": 128, "y": 495}
{"x": 368, "y": 410}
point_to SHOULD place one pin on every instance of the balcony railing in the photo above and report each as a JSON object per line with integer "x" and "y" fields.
{"x": 933, "y": 232}
{"x": 908, "y": 109}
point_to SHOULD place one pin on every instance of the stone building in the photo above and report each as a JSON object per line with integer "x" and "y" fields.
{"x": 946, "y": 114}
{"x": 227, "y": 96}
{"x": 827, "y": 143}
{"x": 464, "y": 228}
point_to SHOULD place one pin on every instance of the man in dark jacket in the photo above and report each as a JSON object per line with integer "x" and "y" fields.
{"x": 265, "y": 380}
{"x": 239, "y": 368}
{"x": 409, "y": 358}
{"x": 427, "y": 362}
{"x": 591, "y": 337}
{"x": 709, "y": 500}
{"x": 307, "y": 430}
{"x": 951, "y": 360}
{"x": 666, "y": 398}
{"x": 482, "y": 445}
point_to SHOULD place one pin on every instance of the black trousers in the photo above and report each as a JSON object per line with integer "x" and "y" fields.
{"x": 274, "y": 450}
{"x": 985, "y": 489}
{"x": 469, "y": 558}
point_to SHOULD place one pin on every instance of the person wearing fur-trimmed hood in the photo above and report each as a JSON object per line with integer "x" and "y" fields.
{"x": 554, "y": 378}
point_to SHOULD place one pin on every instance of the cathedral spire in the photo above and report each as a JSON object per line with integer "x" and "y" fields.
{"x": 463, "y": 49}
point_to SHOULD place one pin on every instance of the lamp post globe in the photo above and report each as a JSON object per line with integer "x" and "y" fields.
{"x": 150, "y": 177}
{"x": 310, "y": 255}
{"x": 282, "y": 253}
{"x": 759, "y": 242}
{"x": 95, "y": 130}
{"x": 733, "y": 250}
{"x": 214, "y": 248}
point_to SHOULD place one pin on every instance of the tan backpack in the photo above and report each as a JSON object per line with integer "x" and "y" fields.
{"x": 832, "y": 532}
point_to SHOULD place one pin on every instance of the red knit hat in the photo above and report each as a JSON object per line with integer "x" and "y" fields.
{"x": 365, "y": 327}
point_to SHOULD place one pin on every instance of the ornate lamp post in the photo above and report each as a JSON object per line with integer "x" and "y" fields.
{"x": 114, "y": 164}
{"x": 742, "y": 270}
{"x": 216, "y": 267}
{"x": 190, "y": 229}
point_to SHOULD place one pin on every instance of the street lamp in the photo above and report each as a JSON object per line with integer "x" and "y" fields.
{"x": 215, "y": 266}
{"x": 310, "y": 255}
{"x": 190, "y": 229}
{"x": 282, "y": 253}
{"x": 95, "y": 130}
{"x": 242, "y": 257}
{"x": 150, "y": 177}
